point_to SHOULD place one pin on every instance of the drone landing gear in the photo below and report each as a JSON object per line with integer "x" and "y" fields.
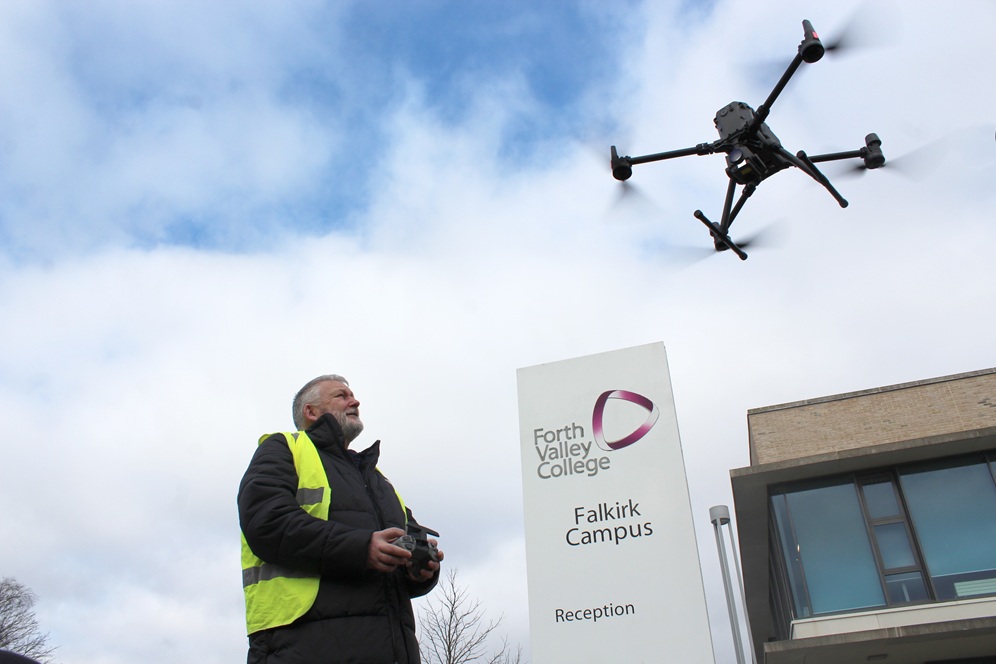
{"x": 806, "y": 165}
{"x": 721, "y": 239}
{"x": 721, "y": 233}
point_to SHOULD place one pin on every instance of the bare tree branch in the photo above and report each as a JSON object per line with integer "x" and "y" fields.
{"x": 18, "y": 627}
{"x": 453, "y": 630}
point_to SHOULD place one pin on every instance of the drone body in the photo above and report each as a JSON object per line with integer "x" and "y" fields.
{"x": 753, "y": 152}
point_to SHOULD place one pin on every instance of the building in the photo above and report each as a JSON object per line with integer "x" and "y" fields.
{"x": 867, "y": 525}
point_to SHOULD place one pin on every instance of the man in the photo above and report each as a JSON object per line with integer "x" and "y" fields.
{"x": 324, "y": 583}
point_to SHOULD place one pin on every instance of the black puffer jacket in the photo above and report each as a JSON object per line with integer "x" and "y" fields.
{"x": 360, "y": 616}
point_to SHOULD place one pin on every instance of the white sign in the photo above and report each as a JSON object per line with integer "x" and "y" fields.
{"x": 612, "y": 561}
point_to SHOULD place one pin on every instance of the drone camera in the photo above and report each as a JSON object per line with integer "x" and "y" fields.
{"x": 874, "y": 158}
{"x": 811, "y": 49}
{"x": 622, "y": 169}
{"x": 744, "y": 166}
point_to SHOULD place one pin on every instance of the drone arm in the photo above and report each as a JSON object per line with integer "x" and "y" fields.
{"x": 810, "y": 50}
{"x": 762, "y": 111}
{"x": 835, "y": 156}
{"x": 622, "y": 167}
{"x": 871, "y": 154}
{"x": 700, "y": 149}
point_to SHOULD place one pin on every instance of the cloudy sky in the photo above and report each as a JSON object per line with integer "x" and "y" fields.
{"x": 205, "y": 204}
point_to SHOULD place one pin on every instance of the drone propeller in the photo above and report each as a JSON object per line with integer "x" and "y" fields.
{"x": 922, "y": 161}
{"x": 852, "y": 37}
{"x": 866, "y": 27}
{"x": 912, "y": 164}
{"x": 632, "y": 202}
{"x": 863, "y": 29}
{"x": 769, "y": 236}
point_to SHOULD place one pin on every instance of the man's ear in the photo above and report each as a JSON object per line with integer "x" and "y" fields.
{"x": 310, "y": 412}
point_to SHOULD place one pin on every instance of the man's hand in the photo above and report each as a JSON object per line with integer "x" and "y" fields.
{"x": 383, "y": 556}
{"x": 432, "y": 566}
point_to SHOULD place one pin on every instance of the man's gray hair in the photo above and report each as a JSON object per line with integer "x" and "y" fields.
{"x": 309, "y": 394}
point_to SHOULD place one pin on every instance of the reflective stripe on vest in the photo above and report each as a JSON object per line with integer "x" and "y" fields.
{"x": 276, "y": 595}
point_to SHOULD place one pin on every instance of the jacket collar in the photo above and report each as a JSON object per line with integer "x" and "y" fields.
{"x": 326, "y": 434}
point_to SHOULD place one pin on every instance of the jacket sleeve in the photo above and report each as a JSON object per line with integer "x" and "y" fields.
{"x": 280, "y": 532}
{"x": 419, "y": 588}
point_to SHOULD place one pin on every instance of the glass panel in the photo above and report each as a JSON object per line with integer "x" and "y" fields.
{"x": 797, "y": 583}
{"x": 904, "y": 588}
{"x": 880, "y": 499}
{"x": 833, "y": 548}
{"x": 953, "y": 510}
{"x": 894, "y": 545}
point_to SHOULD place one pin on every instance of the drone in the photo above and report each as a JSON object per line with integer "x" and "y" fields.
{"x": 754, "y": 153}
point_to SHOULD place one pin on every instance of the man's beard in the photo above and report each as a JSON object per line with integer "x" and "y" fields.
{"x": 351, "y": 426}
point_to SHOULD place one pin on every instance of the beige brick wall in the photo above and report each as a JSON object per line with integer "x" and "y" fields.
{"x": 885, "y": 415}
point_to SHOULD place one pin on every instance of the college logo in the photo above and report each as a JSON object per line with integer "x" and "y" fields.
{"x": 598, "y": 416}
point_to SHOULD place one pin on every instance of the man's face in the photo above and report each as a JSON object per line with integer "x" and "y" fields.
{"x": 338, "y": 400}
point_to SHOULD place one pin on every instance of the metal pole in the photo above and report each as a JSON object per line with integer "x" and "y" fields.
{"x": 740, "y": 587}
{"x": 719, "y": 515}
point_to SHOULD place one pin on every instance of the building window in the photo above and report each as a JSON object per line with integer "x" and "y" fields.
{"x": 894, "y": 536}
{"x": 829, "y": 559}
{"x": 953, "y": 508}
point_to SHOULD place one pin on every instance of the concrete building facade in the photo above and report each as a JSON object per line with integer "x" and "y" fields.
{"x": 867, "y": 525}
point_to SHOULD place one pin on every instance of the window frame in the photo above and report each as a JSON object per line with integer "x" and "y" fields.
{"x": 783, "y": 593}
{"x": 863, "y": 479}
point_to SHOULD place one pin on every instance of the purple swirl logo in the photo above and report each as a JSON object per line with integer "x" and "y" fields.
{"x": 599, "y": 413}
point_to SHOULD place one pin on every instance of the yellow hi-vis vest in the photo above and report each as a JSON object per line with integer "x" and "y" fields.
{"x": 276, "y": 595}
